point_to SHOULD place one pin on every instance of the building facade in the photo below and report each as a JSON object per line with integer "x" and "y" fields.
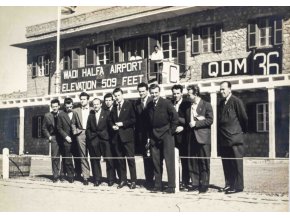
{"x": 249, "y": 46}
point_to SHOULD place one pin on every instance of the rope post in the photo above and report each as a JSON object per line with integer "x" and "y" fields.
{"x": 176, "y": 169}
{"x": 5, "y": 163}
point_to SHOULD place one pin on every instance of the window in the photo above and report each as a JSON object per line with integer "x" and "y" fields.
{"x": 262, "y": 117}
{"x": 124, "y": 49}
{"x": 71, "y": 59}
{"x": 98, "y": 55}
{"x": 37, "y": 126}
{"x": 207, "y": 39}
{"x": 15, "y": 128}
{"x": 41, "y": 66}
{"x": 169, "y": 45}
{"x": 264, "y": 32}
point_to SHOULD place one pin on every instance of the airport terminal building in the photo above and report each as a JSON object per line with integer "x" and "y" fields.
{"x": 248, "y": 46}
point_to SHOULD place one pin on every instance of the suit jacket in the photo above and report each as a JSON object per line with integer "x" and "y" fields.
{"x": 78, "y": 110}
{"x": 64, "y": 124}
{"x": 142, "y": 118}
{"x": 180, "y": 137}
{"x": 163, "y": 118}
{"x": 202, "y": 127}
{"x": 99, "y": 130}
{"x": 49, "y": 126}
{"x": 127, "y": 116}
{"x": 233, "y": 121}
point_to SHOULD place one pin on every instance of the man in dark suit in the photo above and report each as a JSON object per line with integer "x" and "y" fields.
{"x": 83, "y": 114}
{"x": 233, "y": 123}
{"x": 180, "y": 106}
{"x": 66, "y": 125}
{"x": 50, "y": 132}
{"x": 108, "y": 105}
{"x": 98, "y": 142}
{"x": 163, "y": 122}
{"x": 199, "y": 118}
{"x": 142, "y": 132}
{"x": 122, "y": 121}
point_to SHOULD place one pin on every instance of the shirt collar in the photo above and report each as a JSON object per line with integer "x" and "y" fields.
{"x": 144, "y": 100}
{"x": 85, "y": 108}
{"x": 197, "y": 101}
{"x": 179, "y": 102}
{"x": 227, "y": 98}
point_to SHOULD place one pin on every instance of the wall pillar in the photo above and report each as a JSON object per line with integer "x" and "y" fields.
{"x": 21, "y": 130}
{"x": 271, "y": 110}
{"x": 213, "y": 101}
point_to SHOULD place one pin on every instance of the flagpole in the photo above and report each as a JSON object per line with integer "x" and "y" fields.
{"x": 57, "y": 74}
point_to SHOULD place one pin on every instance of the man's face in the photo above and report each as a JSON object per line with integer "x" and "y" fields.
{"x": 156, "y": 48}
{"x": 68, "y": 107}
{"x": 97, "y": 105}
{"x": 225, "y": 90}
{"x": 118, "y": 96}
{"x": 142, "y": 92}
{"x": 55, "y": 107}
{"x": 109, "y": 102}
{"x": 191, "y": 96}
{"x": 176, "y": 94}
{"x": 155, "y": 93}
{"x": 84, "y": 101}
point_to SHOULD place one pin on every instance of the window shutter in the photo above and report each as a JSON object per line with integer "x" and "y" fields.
{"x": 195, "y": 41}
{"x": 252, "y": 34}
{"x": 34, "y": 67}
{"x": 67, "y": 60}
{"x": 90, "y": 56}
{"x": 181, "y": 51}
{"x": 278, "y": 31}
{"x": 75, "y": 58}
{"x": 47, "y": 66}
{"x": 218, "y": 38}
{"x": 252, "y": 117}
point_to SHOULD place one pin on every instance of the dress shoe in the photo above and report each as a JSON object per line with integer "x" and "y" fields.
{"x": 156, "y": 189}
{"x": 233, "y": 191}
{"x": 203, "y": 189}
{"x": 71, "y": 180}
{"x": 61, "y": 179}
{"x": 122, "y": 184}
{"x": 55, "y": 180}
{"x": 224, "y": 189}
{"x": 169, "y": 191}
{"x": 183, "y": 187}
{"x": 85, "y": 182}
{"x": 97, "y": 183}
{"x": 193, "y": 189}
{"x": 110, "y": 183}
{"x": 133, "y": 185}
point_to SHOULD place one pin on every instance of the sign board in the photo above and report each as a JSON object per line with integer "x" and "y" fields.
{"x": 104, "y": 76}
{"x": 262, "y": 62}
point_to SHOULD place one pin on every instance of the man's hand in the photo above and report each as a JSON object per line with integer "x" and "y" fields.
{"x": 68, "y": 139}
{"x": 115, "y": 127}
{"x": 119, "y": 124}
{"x": 192, "y": 124}
{"x": 179, "y": 129}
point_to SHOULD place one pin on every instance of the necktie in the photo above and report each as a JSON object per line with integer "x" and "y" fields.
{"x": 97, "y": 119}
{"x": 119, "y": 108}
{"x": 142, "y": 103}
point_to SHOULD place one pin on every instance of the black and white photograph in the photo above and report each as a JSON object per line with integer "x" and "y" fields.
{"x": 144, "y": 107}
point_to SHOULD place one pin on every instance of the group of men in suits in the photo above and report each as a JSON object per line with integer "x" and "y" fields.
{"x": 112, "y": 128}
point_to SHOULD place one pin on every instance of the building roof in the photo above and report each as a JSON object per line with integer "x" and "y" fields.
{"x": 101, "y": 20}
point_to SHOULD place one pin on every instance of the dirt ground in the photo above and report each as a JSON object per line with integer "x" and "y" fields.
{"x": 266, "y": 189}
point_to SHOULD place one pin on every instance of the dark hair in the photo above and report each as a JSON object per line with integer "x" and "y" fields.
{"x": 85, "y": 94}
{"x": 177, "y": 86}
{"x": 97, "y": 99}
{"x": 108, "y": 95}
{"x": 53, "y": 101}
{"x": 68, "y": 101}
{"x": 154, "y": 86}
{"x": 227, "y": 82}
{"x": 142, "y": 84}
{"x": 195, "y": 89}
{"x": 117, "y": 90}
{"x": 156, "y": 46}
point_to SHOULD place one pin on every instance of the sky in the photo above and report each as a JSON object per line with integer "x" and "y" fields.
{"x": 14, "y": 19}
